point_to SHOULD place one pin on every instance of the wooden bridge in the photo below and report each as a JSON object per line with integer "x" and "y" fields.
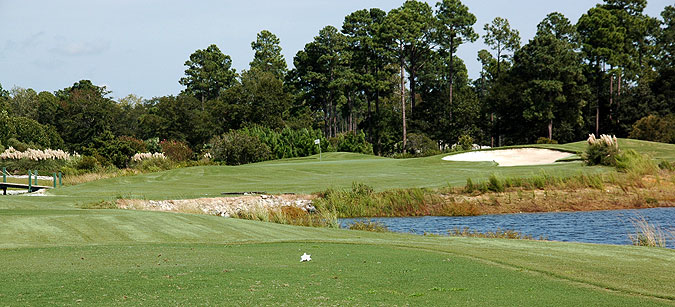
{"x": 31, "y": 188}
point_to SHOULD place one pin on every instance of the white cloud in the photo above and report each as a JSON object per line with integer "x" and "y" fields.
{"x": 70, "y": 48}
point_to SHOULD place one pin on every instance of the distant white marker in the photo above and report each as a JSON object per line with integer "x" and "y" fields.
{"x": 305, "y": 257}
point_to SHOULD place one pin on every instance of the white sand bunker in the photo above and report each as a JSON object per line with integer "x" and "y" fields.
{"x": 512, "y": 157}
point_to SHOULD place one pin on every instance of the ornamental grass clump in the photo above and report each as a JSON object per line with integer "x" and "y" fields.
{"x": 46, "y": 161}
{"x": 647, "y": 234}
{"x": 601, "y": 151}
{"x": 146, "y": 156}
{"x": 35, "y": 154}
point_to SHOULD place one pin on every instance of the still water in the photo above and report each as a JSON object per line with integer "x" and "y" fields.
{"x": 606, "y": 227}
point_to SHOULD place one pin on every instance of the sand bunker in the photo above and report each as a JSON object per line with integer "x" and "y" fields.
{"x": 512, "y": 157}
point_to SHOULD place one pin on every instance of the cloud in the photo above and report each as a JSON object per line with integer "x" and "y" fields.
{"x": 22, "y": 45}
{"x": 70, "y": 48}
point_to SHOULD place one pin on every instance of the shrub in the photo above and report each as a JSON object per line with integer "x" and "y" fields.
{"x": 352, "y": 142}
{"x": 136, "y": 144}
{"x": 237, "y": 147}
{"x": 87, "y": 163}
{"x": 152, "y": 145}
{"x": 655, "y": 128}
{"x": 544, "y": 140}
{"x": 647, "y": 234}
{"x": 419, "y": 144}
{"x": 18, "y": 145}
{"x": 289, "y": 143}
{"x": 465, "y": 142}
{"x": 665, "y": 165}
{"x": 109, "y": 150}
{"x": 631, "y": 161}
{"x": 602, "y": 151}
{"x": 494, "y": 184}
{"x": 154, "y": 163}
{"x": 33, "y": 133}
{"x": 176, "y": 150}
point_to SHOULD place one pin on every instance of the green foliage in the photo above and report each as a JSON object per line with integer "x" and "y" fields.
{"x": 665, "y": 165}
{"x": 208, "y": 73}
{"x": 545, "y": 140}
{"x": 34, "y": 134}
{"x": 152, "y": 145}
{"x": 655, "y": 128}
{"x": 495, "y": 184}
{"x": 18, "y": 145}
{"x": 176, "y": 150}
{"x": 420, "y": 145}
{"x": 601, "y": 151}
{"x": 352, "y": 142}
{"x": 86, "y": 163}
{"x": 109, "y": 150}
{"x": 289, "y": 143}
{"x": 634, "y": 162}
{"x": 237, "y": 147}
{"x": 136, "y": 144}
{"x": 465, "y": 142}
{"x": 268, "y": 55}
{"x": 153, "y": 165}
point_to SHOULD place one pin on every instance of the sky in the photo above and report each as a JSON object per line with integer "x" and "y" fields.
{"x": 140, "y": 46}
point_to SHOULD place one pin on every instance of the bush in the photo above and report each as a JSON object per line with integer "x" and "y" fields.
{"x": 419, "y": 144}
{"x": 109, "y": 150}
{"x": 465, "y": 142}
{"x": 544, "y": 140}
{"x": 176, "y": 151}
{"x": 152, "y": 145}
{"x": 35, "y": 134}
{"x": 136, "y": 144}
{"x": 289, "y": 143}
{"x": 18, "y": 145}
{"x": 237, "y": 147}
{"x": 602, "y": 151}
{"x": 87, "y": 163}
{"x": 655, "y": 128}
{"x": 631, "y": 161}
{"x": 153, "y": 164}
{"x": 352, "y": 142}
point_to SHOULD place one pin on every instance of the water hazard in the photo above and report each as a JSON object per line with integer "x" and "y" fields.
{"x": 605, "y": 227}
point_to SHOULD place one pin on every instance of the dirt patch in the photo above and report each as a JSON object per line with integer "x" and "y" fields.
{"x": 512, "y": 157}
{"x": 222, "y": 206}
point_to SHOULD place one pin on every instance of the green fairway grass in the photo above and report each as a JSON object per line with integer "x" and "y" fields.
{"x": 54, "y": 253}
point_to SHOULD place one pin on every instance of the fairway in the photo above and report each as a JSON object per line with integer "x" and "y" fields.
{"x": 309, "y": 175}
{"x": 57, "y": 254}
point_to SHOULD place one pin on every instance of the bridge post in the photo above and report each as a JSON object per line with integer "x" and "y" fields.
{"x": 54, "y": 176}
{"x": 30, "y": 181}
{"x": 60, "y": 183}
{"x": 4, "y": 174}
{"x": 36, "y": 175}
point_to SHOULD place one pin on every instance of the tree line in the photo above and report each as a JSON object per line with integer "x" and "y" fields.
{"x": 395, "y": 78}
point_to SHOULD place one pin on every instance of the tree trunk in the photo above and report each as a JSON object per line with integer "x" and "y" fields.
{"x": 611, "y": 95}
{"x": 411, "y": 77}
{"x": 403, "y": 99}
{"x": 452, "y": 71}
{"x": 550, "y": 129}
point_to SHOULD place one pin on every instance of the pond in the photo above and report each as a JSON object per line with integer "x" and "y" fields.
{"x": 606, "y": 227}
